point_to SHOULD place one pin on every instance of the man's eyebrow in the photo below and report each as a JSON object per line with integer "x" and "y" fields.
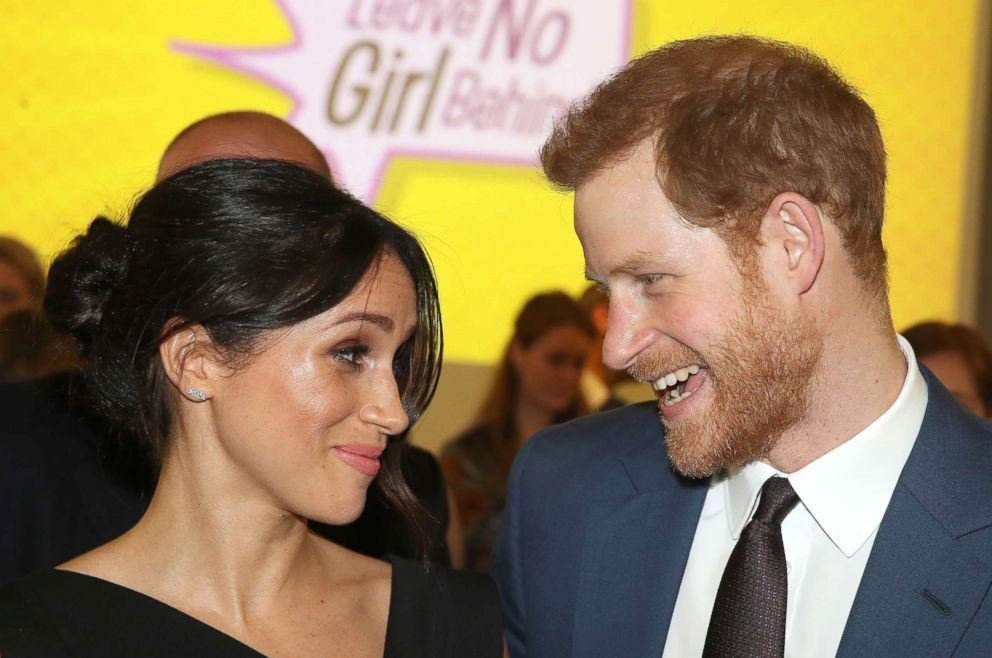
{"x": 632, "y": 263}
{"x": 381, "y": 321}
{"x": 635, "y": 261}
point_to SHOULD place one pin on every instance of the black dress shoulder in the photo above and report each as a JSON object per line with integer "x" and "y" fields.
{"x": 433, "y": 613}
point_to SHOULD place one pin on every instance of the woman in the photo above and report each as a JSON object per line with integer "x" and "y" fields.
{"x": 22, "y": 280}
{"x": 270, "y": 338}
{"x": 960, "y": 358}
{"x": 537, "y": 383}
{"x": 31, "y": 348}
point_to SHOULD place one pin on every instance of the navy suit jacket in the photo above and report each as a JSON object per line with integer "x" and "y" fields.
{"x": 598, "y": 529}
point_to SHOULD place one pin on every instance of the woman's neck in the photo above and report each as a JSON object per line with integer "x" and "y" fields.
{"x": 530, "y": 418}
{"x": 211, "y": 539}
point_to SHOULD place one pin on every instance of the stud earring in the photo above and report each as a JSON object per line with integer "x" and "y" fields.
{"x": 196, "y": 393}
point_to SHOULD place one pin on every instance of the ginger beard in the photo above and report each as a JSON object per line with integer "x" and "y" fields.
{"x": 759, "y": 378}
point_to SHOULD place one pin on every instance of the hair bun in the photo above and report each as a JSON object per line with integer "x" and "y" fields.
{"x": 83, "y": 278}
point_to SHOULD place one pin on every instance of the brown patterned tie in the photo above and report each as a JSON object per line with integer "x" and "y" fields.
{"x": 749, "y": 612}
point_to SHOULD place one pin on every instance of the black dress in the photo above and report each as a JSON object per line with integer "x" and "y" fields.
{"x": 57, "y": 614}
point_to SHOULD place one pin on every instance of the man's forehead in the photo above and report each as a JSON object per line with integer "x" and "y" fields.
{"x": 638, "y": 161}
{"x": 632, "y": 238}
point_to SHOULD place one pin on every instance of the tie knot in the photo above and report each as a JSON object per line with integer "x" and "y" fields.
{"x": 777, "y": 500}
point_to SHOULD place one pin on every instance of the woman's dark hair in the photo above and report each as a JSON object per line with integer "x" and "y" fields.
{"x": 240, "y": 247}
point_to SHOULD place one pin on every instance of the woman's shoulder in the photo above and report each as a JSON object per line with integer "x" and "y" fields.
{"x": 414, "y": 578}
{"x": 28, "y": 598}
{"x": 32, "y": 613}
{"x": 436, "y": 611}
{"x": 56, "y": 613}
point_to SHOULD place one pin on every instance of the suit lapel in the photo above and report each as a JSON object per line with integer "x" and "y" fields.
{"x": 634, "y": 554}
{"x": 919, "y": 591}
{"x": 922, "y": 584}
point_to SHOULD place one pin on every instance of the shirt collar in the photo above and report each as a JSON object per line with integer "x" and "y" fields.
{"x": 848, "y": 489}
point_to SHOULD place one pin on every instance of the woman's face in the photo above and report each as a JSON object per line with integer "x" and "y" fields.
{"x": 950, "y": 367}
{"x": 306, "y": 420}
{"x": 549, "y": 370}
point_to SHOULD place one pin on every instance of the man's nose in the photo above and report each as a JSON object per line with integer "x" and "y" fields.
{"x": 627, "y": 335}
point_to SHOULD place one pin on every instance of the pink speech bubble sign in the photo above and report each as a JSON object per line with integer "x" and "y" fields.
{"x": 475, "y": 80}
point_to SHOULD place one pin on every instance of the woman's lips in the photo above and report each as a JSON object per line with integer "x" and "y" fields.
{"x": 362, "y": 457}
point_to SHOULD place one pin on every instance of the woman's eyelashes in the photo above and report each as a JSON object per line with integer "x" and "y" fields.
{"x": 353, "y": 355}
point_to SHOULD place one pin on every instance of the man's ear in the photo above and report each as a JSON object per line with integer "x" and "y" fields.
{"x": 189, "y": 361}
{"x": 793, "y": 224}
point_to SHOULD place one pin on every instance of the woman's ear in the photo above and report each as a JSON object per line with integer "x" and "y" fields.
{"x": 189, "y": 360}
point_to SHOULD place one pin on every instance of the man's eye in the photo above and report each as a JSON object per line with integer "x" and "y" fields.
{"x": 649, "y": 279}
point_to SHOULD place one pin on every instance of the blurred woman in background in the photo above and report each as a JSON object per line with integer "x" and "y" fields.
{"x": 30, "y": 347}
{"x": 537, "y": 384}
{"x": 22, "y": 279}
{"x": 960, "y": 358}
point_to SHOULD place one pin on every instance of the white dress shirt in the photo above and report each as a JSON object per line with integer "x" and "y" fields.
{"x": 827, "y": 536}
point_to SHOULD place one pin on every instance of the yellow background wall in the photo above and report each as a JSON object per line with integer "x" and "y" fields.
{"x": 91, "y": 94}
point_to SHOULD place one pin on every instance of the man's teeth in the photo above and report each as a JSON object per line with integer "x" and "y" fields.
{"x": 673, "y": 380}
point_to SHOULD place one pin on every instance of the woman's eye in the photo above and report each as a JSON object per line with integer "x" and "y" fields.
{"x": 352, "y": 355}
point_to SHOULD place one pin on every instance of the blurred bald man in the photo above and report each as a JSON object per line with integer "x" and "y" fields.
{"x": 245, "y": 134}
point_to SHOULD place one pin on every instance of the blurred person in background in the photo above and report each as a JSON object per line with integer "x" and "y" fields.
{"x": 960, "y": 358}
{"x": 603, "y": 388}
{"x": 30, "y": 347}
{"x": 536, "y": 384}
{"x": 240, "y": 134}
{"x": 22, "y": 279}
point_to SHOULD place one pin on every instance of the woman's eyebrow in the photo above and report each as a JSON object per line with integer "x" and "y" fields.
{"x": 381, "y": 321}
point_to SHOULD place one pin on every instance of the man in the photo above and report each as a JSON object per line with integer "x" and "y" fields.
{"x": 729, "y": 194}
{"x": 67, "y": 485}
